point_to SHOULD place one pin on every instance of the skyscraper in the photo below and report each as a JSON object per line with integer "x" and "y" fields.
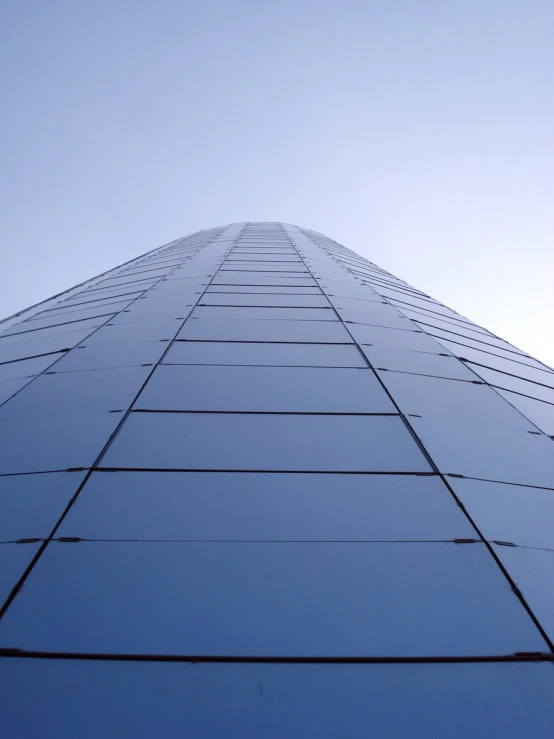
{"x": 252, "y": 484}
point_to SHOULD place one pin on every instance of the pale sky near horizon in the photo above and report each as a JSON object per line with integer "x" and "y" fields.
{"x": 418, "y": 133}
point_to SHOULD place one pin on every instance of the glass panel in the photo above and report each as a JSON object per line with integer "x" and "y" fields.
{"x": 283, "y": 599}
{"x": 285, "y": 355}
{"x": 26, "y": 367}
{"x": 350, "y": 287}
{"x": 510, "y": 513}
{"x": 10, "y": 387}
{"x": 420, "y": 363}
{"x": 30, "y": 505}
{"x": 254, "y": 279}
{"x": 143, "y": 269}
{"x": 54, "y": 442}
{"x": 67, "y": 322}
{"x": 286, "y": 314}
{"x": 539, "y": 413}
{"x": 293, "y": 301}
{"x": 248, "y": 256}
{"x": 290, "y": 268}
{"x": 85, "y": 299}
{"x": 21, "y": 333}
{"x": 219, "y": 329}
{"x": 262, "y": 290}
{"x": 104, "y": 287}
{"x": 470, "y": 430}
{"x": 160, "y": 307}
{"x": 184, "y": 277}
{"x": 155, "y": 310}
{"x": 164, "y": 328}
{"x": 341, "y": 292}
{"x": 48, "y": 344}
{"x": 122, "y": 280}
{"x": 401, "y": 296}
{"x": 517, "y": 364}
{"x": 394, "y": 338}
{"x": 261, "y": 506}
{"x": 532, "y": 570}
{"x": 504, "y": 370}
{"x": 445, "y": 322}
{"x": 428, "y": 307}
{"x": 77, "y": 392}
{"x": 517, "y": 384}
{"x": 264, "y": 389}
{"x": 230, "y": 441}
{"x": 104, "y": 357}
{"x": 387, "y": 288}
{"x": 485, "y": 342}
{"x": 15, "y": 559}
{"x": 75, "y": 313}
{"x": 375, "y": 314}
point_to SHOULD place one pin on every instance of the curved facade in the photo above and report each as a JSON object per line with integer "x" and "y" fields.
{"x": 251, "y": 484}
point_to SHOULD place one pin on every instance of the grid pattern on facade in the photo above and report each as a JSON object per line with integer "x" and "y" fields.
{"x": 260, "y": 471}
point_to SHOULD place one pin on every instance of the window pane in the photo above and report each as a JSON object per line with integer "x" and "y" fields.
{"x": 265, "y": 442}
{"x": 264, "y": 506}
{"x": 263, "y": 289}
{"x": 219, "y": 329}
{"x": 9, "y": 388}
{"x": 254, "y": 279}
{"x": 511, "y": 513}
{"x": 47, "y": 345}
{"x": 292, "y": 301}
{"x": 538, "y": 412}
{"x": 104, "y": 357}
{"x": 253, "y": 314}
{"x": 269, "y": 599}
{"x": 237, "y": 353}
{"x": 532, "y": 571}
{"x": 269, "y": 389}
{"x": 77, "y": 392}
{"x": 480, "y": 436}
{"x": 394, "y": 338}
{"x": 15, "y": 560}
{"x": 420, "y": 363}
{"x": 30, "y": 505}
{"x": 26, "y": 367}
{"x": 54, "y": 442}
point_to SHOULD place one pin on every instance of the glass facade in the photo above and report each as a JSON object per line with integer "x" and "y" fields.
{"x": 252, "y": 484}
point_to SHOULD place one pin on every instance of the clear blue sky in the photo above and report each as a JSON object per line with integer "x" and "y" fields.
{"x": 418, "y": 132}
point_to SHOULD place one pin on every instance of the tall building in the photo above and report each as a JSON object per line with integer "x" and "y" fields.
{"x": 252, "y": 484}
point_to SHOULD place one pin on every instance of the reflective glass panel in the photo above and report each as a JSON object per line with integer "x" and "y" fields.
{"x": 77, "y": 392}
{"x": 419, "y": 363}
{"x": 244, "y": 353}
{"x": 470, "y": 430}
{"x": 511, "y": 513}
{"x": 269, "y": 599}
{"x": 30, "y": 505}
{"x": 249, "y": 313}
{"x": 219, "y": 329}
{"x": 258, "y": 300}
{"x": 15, "y": 559}
{"x": 532, "y": 570}
{"x": 106, "y": 356}
{"x": 394, "y": 338}
{"x": 26, "y": 367}
{"x": 54, "y": 442}
{"x": 230, "y": 441}
{"x": 263, "y": 506}
{"x": 264, "y": 389}
{"x": 8, "y": 388}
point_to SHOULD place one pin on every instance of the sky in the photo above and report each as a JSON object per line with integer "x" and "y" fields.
{"x": 419, "y": 133}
